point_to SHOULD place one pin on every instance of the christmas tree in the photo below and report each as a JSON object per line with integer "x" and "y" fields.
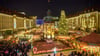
{"x": 63, "y": 24}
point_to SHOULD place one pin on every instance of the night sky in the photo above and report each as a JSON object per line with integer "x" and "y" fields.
{"x": 40, "y": 7}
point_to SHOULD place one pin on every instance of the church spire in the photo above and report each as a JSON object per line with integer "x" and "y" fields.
{"x": 48, "y": 12}
{"x": 48, "y": 1}
{"x": 49, "y": 8}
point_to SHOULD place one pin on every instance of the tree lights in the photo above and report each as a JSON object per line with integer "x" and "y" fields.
{"x": 62, "y": 25}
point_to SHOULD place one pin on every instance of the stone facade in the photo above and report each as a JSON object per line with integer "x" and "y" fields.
{"x": 85, "y": 21}
{"x": 13, "y": 22}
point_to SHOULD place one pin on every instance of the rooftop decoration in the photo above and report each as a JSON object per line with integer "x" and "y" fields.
{"x": 49, "y": 18}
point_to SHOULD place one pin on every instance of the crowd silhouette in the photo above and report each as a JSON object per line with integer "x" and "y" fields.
{"x": 80, "y": 53}
{"x": 20, "y": 49}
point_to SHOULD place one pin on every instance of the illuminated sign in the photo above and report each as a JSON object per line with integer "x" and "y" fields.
{"x": 39, "y": 21}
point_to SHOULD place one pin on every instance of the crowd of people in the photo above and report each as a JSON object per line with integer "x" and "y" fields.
{"x": 78, "y": 53}
{"x": 54, "y": 54}
{"x": 20, "y": 49}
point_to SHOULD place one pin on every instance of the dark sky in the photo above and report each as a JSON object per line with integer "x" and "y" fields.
{"x": 39, "y": 7}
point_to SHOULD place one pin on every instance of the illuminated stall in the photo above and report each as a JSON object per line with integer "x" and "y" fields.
{"x": 89, "y": 43}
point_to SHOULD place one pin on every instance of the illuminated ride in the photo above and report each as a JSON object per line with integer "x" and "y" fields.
{"x": 49, "y": 26}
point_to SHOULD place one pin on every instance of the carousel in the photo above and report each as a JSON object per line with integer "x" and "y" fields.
{"x": 49, "y": 26}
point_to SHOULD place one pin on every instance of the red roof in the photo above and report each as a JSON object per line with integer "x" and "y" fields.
{"x": 92, "y": 38}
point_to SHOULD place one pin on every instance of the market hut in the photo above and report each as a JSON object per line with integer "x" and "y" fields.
{"x": 92, "y": 43}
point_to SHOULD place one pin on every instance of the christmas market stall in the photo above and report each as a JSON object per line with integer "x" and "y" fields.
{"x": 89, "y": 43}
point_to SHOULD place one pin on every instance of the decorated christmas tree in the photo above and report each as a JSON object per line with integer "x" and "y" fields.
{"x": 63, "y": 24}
